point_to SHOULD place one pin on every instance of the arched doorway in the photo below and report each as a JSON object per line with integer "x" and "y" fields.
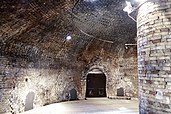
{"x": 96, "y": 85}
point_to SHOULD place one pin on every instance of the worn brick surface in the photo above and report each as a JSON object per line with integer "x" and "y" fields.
{"x": 35, "y": 56}
{"x": 154, "y": 67}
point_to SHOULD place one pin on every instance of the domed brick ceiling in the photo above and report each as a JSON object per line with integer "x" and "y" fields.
{"x": 48, "y": 47}
{"x": 41, "y": 26}
{"x": 104, "y": 19}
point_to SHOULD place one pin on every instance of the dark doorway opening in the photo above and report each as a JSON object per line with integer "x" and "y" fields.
{"x": 96, "y": 85}
{"x": 73, "y": 95}
{"x": 120, "y": 92}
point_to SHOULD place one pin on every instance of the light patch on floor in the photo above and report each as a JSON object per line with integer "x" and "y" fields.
{"x": 90, "y": 106}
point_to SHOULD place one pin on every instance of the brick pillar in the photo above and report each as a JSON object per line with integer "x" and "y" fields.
{"x": 154, "y": 57}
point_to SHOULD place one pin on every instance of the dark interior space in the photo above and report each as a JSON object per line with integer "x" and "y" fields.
{"x": 96, "y": 85}
{"x": 113, "y": 56}
{"x": 120, "y": 92}
{"x": 73, "y": 95}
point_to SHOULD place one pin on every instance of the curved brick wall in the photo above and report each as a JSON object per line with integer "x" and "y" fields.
{"x": 154, "y": 57}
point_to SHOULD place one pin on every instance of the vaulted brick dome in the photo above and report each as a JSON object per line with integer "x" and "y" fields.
{"x": 48, "y": 47}
{"x": 44, "y": 25}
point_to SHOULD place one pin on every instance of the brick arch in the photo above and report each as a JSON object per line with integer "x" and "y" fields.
{"x": 101, "y": 68}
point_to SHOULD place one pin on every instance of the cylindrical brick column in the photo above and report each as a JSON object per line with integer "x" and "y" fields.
{"x": 154, "y": 57}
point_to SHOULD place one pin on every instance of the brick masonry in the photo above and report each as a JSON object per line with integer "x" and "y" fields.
{"x": 120, "y": 69}
{"x": 36, "y": 59}
{"x": 154, "y": 50}
{"x": 50, "y": 79}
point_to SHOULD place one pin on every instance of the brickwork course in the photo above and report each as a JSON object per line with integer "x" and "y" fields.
{"x": 39, "y": 64}
{"x": 154, "y": 57}
{"x": 37, "y": 60}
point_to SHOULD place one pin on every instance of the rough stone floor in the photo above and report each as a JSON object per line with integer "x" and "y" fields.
{"x": 89, "y": 106}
